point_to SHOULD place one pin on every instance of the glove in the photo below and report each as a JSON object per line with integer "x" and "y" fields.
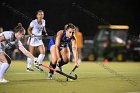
{"x": 45, "y": 34}
{"x": 35, "y": 62}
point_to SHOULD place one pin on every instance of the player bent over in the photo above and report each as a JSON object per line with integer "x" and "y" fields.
{"x": 7, "y": 40}
{"x": 59, "y": 49}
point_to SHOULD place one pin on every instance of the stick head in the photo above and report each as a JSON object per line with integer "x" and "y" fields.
{"x": 74, "y": 78}
{"x": 67, "y": 79}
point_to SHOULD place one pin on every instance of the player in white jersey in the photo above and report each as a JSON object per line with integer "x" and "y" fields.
{"x": 8, "y": 39}
{"x": 35, "y": 31}
{"x": 1, "y": 30}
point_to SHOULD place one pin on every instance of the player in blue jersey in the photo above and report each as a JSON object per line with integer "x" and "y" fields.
{"x": 59, "y": 48}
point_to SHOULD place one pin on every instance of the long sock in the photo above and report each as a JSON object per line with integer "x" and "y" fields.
{"x": 40, "y": 58}
{"x": 53, "y": 66}
{"x": 4, "y": 67}
{"x": 7, "y": 68}
{"x": 29, "y": 62}
{"x": 61, "y": 63}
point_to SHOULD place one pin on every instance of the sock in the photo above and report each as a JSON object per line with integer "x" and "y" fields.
{"x": 29, "y": 62}
{"x": 61, "y": 63}
{"x": 53, "y": 66}
{"x": 40, "y": 58}
{"x": 7, "y": 68}
{"x": 4, "y": 67}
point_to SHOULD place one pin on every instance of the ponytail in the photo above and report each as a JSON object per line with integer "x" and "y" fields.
{"x": 19, "y": 28}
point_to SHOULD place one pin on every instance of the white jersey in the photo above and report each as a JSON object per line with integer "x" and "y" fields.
{"x": 9, "y": 38}
{"x": 37, "y": 31}
{"x": 37, "y": 28}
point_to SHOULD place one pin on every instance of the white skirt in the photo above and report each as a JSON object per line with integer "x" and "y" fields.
{"x": 35, "y": 41}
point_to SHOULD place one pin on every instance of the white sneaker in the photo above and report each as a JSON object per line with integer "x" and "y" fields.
{"x": 3, "y": 80}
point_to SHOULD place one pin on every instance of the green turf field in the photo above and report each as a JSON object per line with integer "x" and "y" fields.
{"x": 93, "y": 77}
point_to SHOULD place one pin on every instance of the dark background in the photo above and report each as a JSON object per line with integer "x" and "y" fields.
{"x": 60, "y": 12}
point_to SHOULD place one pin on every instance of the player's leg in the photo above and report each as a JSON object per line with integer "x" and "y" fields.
{"x": 41, "y": 56}
{"x": 53, "y": 61}
{"x": 79, "y": 54}
{"x": 29, "y": 60}
{"x": 65, "y": 57}
{"x": 5, "y": 63}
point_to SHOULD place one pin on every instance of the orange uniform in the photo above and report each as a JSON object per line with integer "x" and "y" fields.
{"x": 79, "y": 39}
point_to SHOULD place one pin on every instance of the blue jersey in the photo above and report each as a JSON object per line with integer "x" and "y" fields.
{"x": 64, "y": 42}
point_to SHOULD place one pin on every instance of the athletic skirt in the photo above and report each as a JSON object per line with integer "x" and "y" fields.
{"x": 35, "y": 41}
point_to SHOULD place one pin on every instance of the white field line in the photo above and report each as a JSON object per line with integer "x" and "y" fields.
{"x": 78, "y": 72}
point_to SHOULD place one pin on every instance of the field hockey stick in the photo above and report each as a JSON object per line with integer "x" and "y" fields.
{"x": 60, "y": 72}
{"x": 72, "y": 72}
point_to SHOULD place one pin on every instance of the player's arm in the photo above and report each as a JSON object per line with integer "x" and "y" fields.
{"x": 44, "y": 28}
{"x": 45, "y": 32}
{"x": 30, "y": 31}
{"x": 74, "y": 50}
{"x": 27, "y": 53}
{"x": 57, "y": 44}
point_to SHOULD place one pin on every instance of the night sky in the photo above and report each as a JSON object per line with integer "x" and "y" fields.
{"x": 86, "y": 14}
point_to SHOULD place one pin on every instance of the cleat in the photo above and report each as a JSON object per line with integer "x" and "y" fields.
{"x": 41, "y": 69}
{"x": 30, "y": 70}
{"x": 3, "y": 80}
{"x": 38, "y": 68}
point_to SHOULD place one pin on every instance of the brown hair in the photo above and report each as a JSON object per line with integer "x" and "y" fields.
{"x": 39, "y": 11}
{"x": 69, "y": 25}
{"x": 19, "y": 28}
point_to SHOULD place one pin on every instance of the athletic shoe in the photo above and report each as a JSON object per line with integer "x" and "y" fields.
{"x": 49, "y": 76}
{"x": 38, "y": 68}
{"x": 30, "y": 70}
{"x": 60, "y": 69}
{"x": 3, "y": 80}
